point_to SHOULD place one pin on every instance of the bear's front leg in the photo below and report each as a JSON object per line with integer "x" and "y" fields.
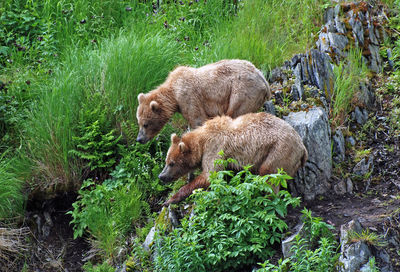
{"x": 200, "y": 181}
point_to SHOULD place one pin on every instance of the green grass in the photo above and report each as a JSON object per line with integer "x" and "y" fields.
{"x": 12, "y": 198}
{"x": 347, "y": 81}
{"x": 124, "y": 66}
{"x": 267, "y": 32}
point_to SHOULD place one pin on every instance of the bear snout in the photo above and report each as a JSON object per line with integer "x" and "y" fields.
{"x": 164, "y": 177}
{"x": 141, "y": 138}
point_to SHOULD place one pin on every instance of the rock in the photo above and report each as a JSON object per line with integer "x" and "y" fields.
{"x": 350, "y": 140}
{"x": 349, "y": 186}
{"x": 384, "y": 257}
{"x": 338, "y": 146}
{"x": 364, "y": 166}
{"x": 361, "y": 116}
{"x": 353, "y": 255}
{"x": 149, "y": 239}
{"x": 297, "y": 88}
{"x": 340, "y": 188}
{"x": 390, "y": 56}
{"x": 173, "y": 217}
{"x": 277, "y": 75}
{"x": 357, "y": 28}
{"x": 375, "y": 58}
{"x": 328, "y": 15}
{"x": 269, "y": 107}
{"x": 321, "y": 72}
{"x": 122, "y": 269}
{"x": 287, "y": 243}
{"x": 313, "y": 128}
{"x": 356, "y": 22}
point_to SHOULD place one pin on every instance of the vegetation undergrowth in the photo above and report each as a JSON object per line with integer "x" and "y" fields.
{"x": 315, "y": 249}
{"x": 235, "y": 224}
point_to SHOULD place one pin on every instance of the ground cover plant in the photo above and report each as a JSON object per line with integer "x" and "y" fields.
{"x": 315, "y": 249}
{"x": 236, "y": 224}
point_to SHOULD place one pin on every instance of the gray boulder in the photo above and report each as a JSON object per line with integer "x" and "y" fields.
{"x": 313, "y": 128}
{"x": 353, "y": 255}
{"x": 288, "y": 242}
{"x": 149, "y": 239}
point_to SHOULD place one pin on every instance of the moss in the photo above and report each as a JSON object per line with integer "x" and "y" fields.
{"x": 163, "y": 222}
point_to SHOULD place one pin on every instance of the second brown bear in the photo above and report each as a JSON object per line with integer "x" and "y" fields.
{"x": 259, "y": 139}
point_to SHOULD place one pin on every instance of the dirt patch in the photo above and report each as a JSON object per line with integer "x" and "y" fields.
{"x": 52, "y": 247}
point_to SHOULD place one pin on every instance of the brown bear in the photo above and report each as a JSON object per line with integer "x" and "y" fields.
{"x": 227, "y": 87}
{"x": 259, "y": 139}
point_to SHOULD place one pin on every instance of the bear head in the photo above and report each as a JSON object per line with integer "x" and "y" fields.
{"x": 151, "y": 118}
{"x": 178, "y": 161}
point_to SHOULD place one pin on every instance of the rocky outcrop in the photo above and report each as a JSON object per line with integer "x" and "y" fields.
{"x": 352, "y": 25}
{"x": 313, "y": 128}
{"x": 353, "y": 254}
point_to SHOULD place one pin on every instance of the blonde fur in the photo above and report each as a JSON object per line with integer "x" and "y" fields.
{"x": 259, "y": 139}
{"x": 227, "y": 87}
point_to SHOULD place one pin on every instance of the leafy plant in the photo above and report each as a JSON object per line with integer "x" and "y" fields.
{"x": 103, "y": 267}
{"x": 140, "y": 167}
{"x": 314, "y": 250}
{"x": 235, "y": 224}
{"x": 107, "y": 212}
{"x": 98, "y": 150}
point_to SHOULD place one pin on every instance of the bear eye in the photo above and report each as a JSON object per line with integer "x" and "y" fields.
{"x": 171, "y": 164}
{"x": 145, "y": 125}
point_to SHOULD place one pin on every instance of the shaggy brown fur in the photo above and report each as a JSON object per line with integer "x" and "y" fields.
{"x": 259, "y": 139}
{"x": 227, "y": 87}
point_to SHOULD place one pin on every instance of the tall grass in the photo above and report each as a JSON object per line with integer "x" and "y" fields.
{"x": 131, "y": 63}
{"x": 136, "y": 63}
{"x": 268, "y": 32}
{"x": 348, "y": 76}
{"x": 12, "y": 198}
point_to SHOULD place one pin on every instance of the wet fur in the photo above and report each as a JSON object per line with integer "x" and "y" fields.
{"x": 259, "y": 139}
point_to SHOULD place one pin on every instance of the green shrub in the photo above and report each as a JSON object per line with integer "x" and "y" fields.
{"x": 96, "y": 143}
{"x": 140, "y": 167}
{"x": 235, "y": 225}
{"x": 104, "y": 267}
{"x": 107, "y": 212}
{"x": 316, "y": 250}
{"x": 23, "y": 34}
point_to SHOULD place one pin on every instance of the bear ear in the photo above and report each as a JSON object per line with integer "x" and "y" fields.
{"x": 182, "y": 147}
{"x": 175, "y": 139}
{"x": 141, "y": 97}
{"x": 154, "y": 106}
